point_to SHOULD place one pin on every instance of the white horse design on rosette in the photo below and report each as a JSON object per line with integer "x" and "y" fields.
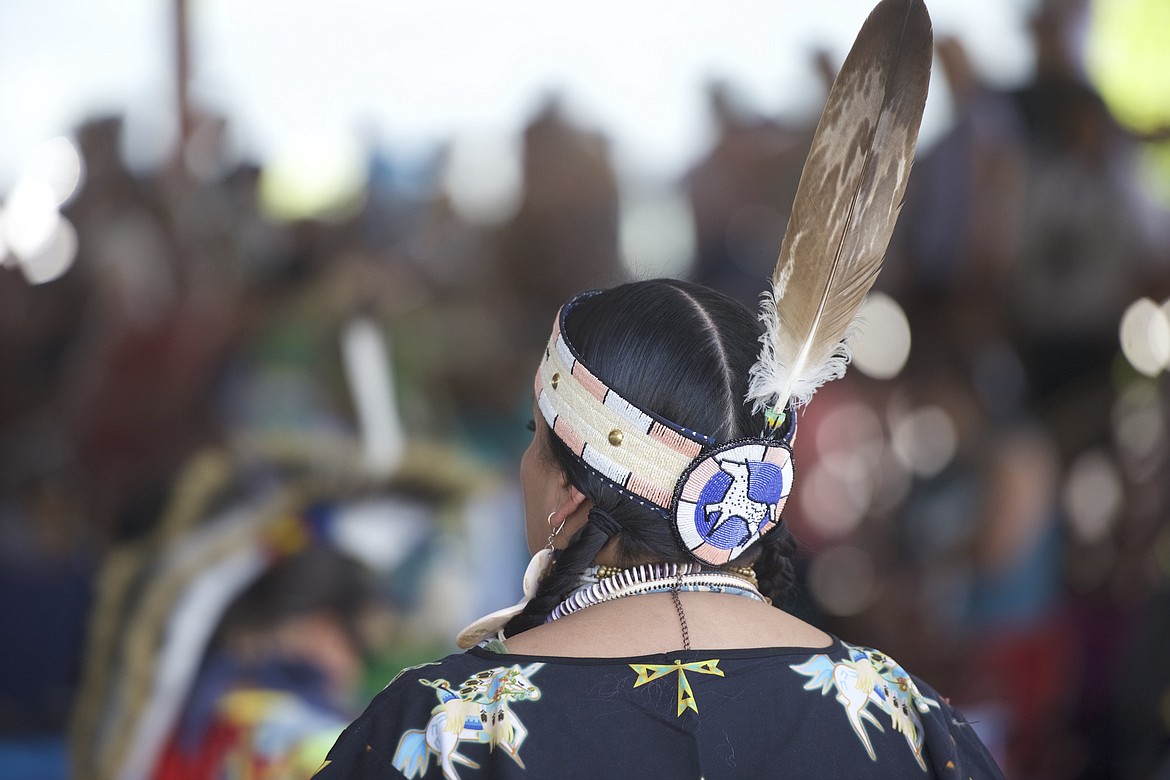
{"x": 478, "y": 711}
{"x": 731, "y": 497}
{"x": 737, "y": 503}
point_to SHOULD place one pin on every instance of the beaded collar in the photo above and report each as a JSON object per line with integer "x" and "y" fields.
{"x": 601, "y": 584}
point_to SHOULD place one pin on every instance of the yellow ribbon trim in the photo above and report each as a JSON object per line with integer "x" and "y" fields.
{"x": 686, "y": 697}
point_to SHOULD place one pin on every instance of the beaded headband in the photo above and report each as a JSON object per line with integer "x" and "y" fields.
{"x": 721, "y": 499}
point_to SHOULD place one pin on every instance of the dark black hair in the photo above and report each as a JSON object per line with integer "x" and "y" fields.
{"x": 684, "y": 352}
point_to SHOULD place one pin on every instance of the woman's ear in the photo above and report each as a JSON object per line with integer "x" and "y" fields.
{"x": 573, "y": 500}
{"x": 574, "y": 508}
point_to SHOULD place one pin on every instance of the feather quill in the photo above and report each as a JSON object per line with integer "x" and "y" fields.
{"x": 846, "y": 204}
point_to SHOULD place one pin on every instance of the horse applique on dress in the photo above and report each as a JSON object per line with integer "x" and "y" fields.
{"x": 478, "y": 711}
{"x": 870, "y": 677}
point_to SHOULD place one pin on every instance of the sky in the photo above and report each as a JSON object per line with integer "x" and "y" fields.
{"x": 297, "y": 72}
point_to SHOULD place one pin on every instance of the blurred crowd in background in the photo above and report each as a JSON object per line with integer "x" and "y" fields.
{"x": 251, "y": 466}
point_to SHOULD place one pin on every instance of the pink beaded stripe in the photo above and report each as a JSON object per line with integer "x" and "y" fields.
{"x": 629, "y": 447}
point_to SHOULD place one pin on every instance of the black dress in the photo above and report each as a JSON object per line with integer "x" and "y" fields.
{"x": 839, "y": 712}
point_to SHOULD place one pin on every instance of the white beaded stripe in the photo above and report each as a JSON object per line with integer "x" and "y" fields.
{"x": 652, "y": 498}
{"x": 602, "y": 417}
{"x": 544, "y": 401}
{"x": 653, "y": 460}
{"x": 613, "y": 400}
{"x": 631, "y": 457}
{"x": 564, "y": 355}
{"x": 638, "y": 419}
{"x": 597, "y": 459}
{"x": 659, "y": 466}
{"x": 688, "y": 531}
{"x": 568, "y": 365}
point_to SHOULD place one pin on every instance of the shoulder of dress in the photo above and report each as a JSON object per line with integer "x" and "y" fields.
{"x": 409, "y": 675}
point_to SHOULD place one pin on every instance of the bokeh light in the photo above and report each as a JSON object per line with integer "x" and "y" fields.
{"x": 853, "y": 429}
{"x": 892, "y": 483}
{"x": 1139, "y": 428}
{"x": 43, "y": 243}
{"x": 1129, "y": 60}
{"x": 833, "y": 507}
{"x": 58, "y": 165}
{"x": 5, "y": 257}
{"x": 317, "y": 176}
{"x": 883, "y": 345}
{"x": 482, "y": 177}
{"x": 31, "y": 218}
{"x": 924, "y": 440}
{"x": 1092, "y": 496}
{"x": 54, "y": 258}
{"x": 1145, "y": 337}
{"x": 842, "y": 580}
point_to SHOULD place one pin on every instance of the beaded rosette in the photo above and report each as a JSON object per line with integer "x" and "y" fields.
{"x": 731, "y": 496}
{"x": 720, "y": 499}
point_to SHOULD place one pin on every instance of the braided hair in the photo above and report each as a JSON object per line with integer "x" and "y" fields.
{"x": 685, "y": 352}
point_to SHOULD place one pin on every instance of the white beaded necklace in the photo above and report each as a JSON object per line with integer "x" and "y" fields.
{"x": 652, "y": 578}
